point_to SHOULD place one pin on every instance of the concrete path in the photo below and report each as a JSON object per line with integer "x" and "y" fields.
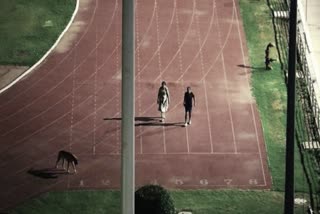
{"x": 312, "y": 16}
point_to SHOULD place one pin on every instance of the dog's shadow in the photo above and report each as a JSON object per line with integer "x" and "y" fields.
{"x": 47, "y": 173}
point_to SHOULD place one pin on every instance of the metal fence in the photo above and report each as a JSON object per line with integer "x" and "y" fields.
{"x": 307, "y": 90}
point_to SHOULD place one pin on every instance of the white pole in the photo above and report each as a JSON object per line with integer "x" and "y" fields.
{"x": 127, "y": 110}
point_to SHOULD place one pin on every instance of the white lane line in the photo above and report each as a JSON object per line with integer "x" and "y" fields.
{"x": 72, "y": 99}
{"x": 54, "y": 121}
{"x": 202, "y": 153}
{"x": 222, "y": 47}
{"x": 160, "y": 68}
{"x": 137, "y": 31}
{"x": 201, "y": 46}
{"x": 157, "y": 52}
{"x": 180, "y": 80}
{"x": 118, "y": 67}
{"x": 204, "y": 83}
{"x": 226, "y": 185}
{"x": 165, "y": 38}
{"x": 180, "y": 62}
{"x": 51, "y": 107}
{"x": 174, "y": 153}
{"x": 227, "y": 87}
{"x": 252, "y": 110}
{"x": 95, "y": 92}
{"x": 229, "y": 104}
{"x": 79, "y": 85}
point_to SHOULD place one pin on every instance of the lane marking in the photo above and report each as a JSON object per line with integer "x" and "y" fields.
{"x": 180, "y": 61}
{"x": 72, "y": 100}
{"x": 137, "y": 34}
{"x": 204, "y": 82}
{"x": 226, "y": 87}
{"x": 160, "y": 68}
{"x": 118, "y": 106}
{"x": 251, "y": 105}
{"x": 224, "y": 44}
{"x": 253, "y": 181}
{"x": 178, "y": 182}
{"x": 157, "y": 52}
{"x": 176, "y": 153}
{"x": 68, "y": 112}
{"x": 203, "y": 153}
{"x": 228, "y": 181}
{"x": 105, "y": 182}
{"x": 204, "y": 182}
{"x": 154, "y": 182}
{"x": 95, "y": 92}
{"x": 201, "y": 46}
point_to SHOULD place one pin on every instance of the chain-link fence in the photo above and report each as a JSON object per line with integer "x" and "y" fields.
{"x": 307, "y": 105}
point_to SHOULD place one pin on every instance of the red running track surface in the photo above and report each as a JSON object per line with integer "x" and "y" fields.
{"x": 72, "y": 102}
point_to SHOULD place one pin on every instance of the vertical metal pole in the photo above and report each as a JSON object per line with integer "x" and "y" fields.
{"x": 127, "y": 110}
{"x": 289, "y": 183}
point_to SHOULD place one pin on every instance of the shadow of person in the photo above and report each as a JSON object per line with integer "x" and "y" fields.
{"x": 159, "y": 124}
{"x": 144, "y": 119}
{"x": 251, "y": 67}
{"x": 46, "y": 173}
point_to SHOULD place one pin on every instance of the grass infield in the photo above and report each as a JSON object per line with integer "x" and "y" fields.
{"x": 30, "y": 27}
{"x": 269, "y": 89}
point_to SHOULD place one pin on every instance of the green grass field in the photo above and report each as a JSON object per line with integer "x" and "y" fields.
{"x": 199, "y": 202}
{"x": 269, "y": 89}
{"x": 30, "y": 27}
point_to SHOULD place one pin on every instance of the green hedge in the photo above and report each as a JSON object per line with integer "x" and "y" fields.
{"x": 153, "y": 199}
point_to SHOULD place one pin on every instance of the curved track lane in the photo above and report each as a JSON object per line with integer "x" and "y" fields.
{"x": 72, "y": 102}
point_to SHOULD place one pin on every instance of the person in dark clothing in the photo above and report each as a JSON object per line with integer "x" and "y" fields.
{"x": 188, "y": 100}
{"x": 268, "y": 60}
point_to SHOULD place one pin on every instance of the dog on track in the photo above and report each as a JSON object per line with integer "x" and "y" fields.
{"x": 69, "y": 157}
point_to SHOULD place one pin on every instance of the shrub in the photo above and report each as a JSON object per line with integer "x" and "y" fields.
{"x": 153, "y": 199}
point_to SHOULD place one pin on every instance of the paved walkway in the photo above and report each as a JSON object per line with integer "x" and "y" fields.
{"x": 312, "y": 16}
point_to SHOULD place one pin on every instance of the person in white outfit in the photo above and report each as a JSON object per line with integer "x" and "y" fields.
{"x": 163, "y": 100}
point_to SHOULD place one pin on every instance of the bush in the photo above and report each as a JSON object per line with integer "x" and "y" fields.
{"x": 153, "y": 199}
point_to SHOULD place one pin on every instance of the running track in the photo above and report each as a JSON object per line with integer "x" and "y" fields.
{"x": 72, "y": 102}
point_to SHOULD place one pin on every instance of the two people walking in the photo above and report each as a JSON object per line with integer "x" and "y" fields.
{"x": 163, "y": 102}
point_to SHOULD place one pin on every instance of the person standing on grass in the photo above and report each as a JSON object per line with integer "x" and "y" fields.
{"x": 163, "y": 100}
{"x": 268, "y": 59}
{"x": 187, "y": 102}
